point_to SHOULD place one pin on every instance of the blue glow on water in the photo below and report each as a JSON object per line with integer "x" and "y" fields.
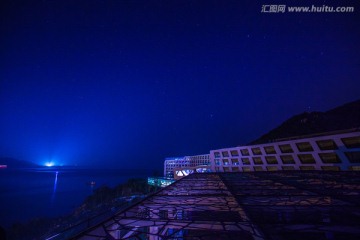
{"x": 52, "y": 194}
{"x": 55, "y": 186}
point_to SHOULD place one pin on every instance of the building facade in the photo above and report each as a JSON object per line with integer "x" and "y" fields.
{"x": 182, "y": 166}
{"x": 334, "y": 151}
{"x": 246, "y": 197}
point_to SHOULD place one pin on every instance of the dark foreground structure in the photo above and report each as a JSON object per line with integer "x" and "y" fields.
{"x": 257, "y": 205}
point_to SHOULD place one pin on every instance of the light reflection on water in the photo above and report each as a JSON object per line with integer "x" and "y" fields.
{"x": 55, "y": 185}
{"x": 28, "y": 193}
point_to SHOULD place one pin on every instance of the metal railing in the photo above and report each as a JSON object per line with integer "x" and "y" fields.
{"x": 81, "y": 226}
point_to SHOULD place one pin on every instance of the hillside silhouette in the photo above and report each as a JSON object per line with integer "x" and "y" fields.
{"x": 343, "y": 117}
{"x": 15, "y": 163}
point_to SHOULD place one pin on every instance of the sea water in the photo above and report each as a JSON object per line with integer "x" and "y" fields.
{"x": 31, "y": 193}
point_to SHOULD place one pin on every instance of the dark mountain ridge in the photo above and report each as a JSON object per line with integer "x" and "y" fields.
{"x": 15, "y": 163}
{"x": 343, "y": 117}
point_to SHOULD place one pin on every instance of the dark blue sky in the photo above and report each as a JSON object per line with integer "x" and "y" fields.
{"x": 127, "y": 83}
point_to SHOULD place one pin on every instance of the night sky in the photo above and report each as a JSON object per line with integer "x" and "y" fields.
{"x": 127, "y": 83}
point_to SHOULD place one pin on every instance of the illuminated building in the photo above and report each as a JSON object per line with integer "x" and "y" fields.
{"x": 248, "y": 197}
{"x": 328, "y": 151}
{"x": 160, "y": 181}
{"x": 182, "y": 166}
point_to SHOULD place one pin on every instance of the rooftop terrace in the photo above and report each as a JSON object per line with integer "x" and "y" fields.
{"x": 255, "y": 205}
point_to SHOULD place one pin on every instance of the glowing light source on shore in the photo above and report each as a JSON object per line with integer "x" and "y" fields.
{"x": 49, "y": 164}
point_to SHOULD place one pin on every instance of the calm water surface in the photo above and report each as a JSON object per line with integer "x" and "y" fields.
{"x": 25, "y": 194}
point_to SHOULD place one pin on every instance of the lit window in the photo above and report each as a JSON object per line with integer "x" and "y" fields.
{"x": 329, "y": 158}
{"x": 256, "y": 151}
{"x": 271, "y": 160}
{"x": 246, "y": 169}
{"x": 225, "y": 162}
{"x": 327, "y": 144}
{"x": 304, "y": 147}
{"x": 244, "y": 152}
{"x": 270, "y": 150}
{"x": 306, "y": 158}
{"x": 234, "y": 161}
{"x": 234, "y": 153}
{"x": 226, "y": 169}
{"x": 245, "y": 161}
{"x": 257, "y": 160}
{"x": 225, "y": 154}
{"x": 271, "y": 168}
{"x": 286, "y": 148}
{"x": 351, "y": 142}
{"x": 258, "y": 168}
{"x": 354, "y": 157}
{"x": 330, "y": 168}
{"x": 355, "y": 168}
{"x": 287, "y": 159}
{"x": 235, "y": 169}
{"x": 307, "y": 168}
{"x": 288, "y": 168}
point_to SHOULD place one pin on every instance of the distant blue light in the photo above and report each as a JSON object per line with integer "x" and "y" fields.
{"x": 49, "y": 164}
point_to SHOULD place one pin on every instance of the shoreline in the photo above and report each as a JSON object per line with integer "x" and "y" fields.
{"x": 104, "y": 200}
